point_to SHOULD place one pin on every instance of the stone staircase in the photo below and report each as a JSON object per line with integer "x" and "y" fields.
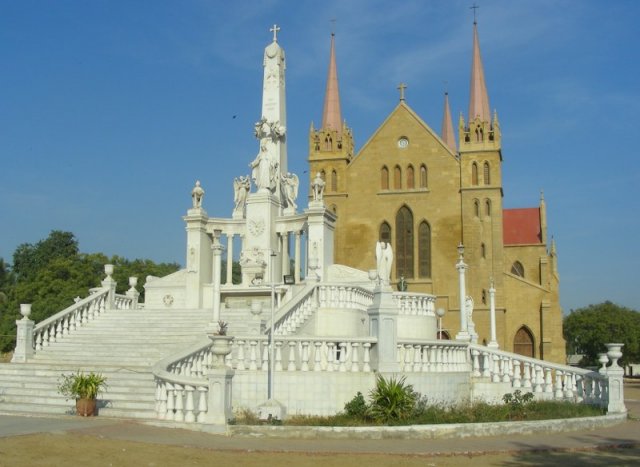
{"x": 121, "y": 344}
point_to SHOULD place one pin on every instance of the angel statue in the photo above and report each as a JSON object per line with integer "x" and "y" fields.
{"x": 290, "y": 183}
{"x": 384, "y": 259}
{"x": 241, "y": 187}
{"x": 196, "y": 195}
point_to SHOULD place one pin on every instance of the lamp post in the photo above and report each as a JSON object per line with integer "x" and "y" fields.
{"x": 271, "y": 341}
{"x": 440, "y": 312}
{"x": 463, "y": 335}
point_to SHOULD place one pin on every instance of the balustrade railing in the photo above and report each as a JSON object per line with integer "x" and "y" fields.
{"x": 543, "y": 379}
{"x": 432, "y": 356}
{"x": 415, "y": 304}
{"x": 66, "y": 321}
{"x": 123, "y": 302}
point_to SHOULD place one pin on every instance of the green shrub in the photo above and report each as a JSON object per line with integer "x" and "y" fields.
{"x": 356, "y": 407}
{"x": 392, "y": 400}
{"x": 517, "y": 404}
{"x": 80, "y": 386}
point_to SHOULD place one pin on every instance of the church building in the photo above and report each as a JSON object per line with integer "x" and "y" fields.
{"x": 433, "y": 196}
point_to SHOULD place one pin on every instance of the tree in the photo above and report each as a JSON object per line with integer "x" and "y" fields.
{"x": 588, "y": 329}
{"x": 28, "y": 259}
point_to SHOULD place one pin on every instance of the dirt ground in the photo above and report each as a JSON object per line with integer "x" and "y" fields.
{"x": 80, "y": 450}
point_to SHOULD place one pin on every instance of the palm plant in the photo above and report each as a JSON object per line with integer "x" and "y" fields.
{"x": 392, "y": 399}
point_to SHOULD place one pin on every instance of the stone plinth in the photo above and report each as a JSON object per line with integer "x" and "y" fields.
{"x": 383, "y": 324}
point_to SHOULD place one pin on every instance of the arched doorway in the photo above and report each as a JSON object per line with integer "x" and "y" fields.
{"x": 524, "y": 343}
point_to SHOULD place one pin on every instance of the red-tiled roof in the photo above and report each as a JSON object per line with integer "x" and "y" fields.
{"x": 521, "y": 226}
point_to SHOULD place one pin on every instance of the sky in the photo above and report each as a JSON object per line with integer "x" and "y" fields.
{"x": 110, "y": 110}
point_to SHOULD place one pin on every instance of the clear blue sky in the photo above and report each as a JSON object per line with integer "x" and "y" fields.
{"x": 110, "y": 110}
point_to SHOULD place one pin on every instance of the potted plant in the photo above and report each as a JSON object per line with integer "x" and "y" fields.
{"x": 221, "y": 344}
{"x": 84, "y": 388}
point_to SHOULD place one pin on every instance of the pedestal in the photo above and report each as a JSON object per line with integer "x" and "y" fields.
{"x": 383, "y": 324}
{"x": 220, "y": 410}
{"x": 24, "y": 341}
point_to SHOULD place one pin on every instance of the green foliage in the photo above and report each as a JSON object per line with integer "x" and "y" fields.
{"x": 356, "y": 407}
{"x": 392, "y": 400}
{"x": 52, "y": 272}
{"x": 588, "y": 329}
{"x": 81, "y": 386}
{"x": 517, "y": 404}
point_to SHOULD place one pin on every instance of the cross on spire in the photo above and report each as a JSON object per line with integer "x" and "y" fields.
{"x": 333, "y": 26}
{"x": 474, "y": 7}
{"x": 402, "y": 87}
{"x": 275, "y": 30}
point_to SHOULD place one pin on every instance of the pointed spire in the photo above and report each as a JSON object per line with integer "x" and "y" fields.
{"x": 331, "y": 114}
{"x": 447, "y": 125}
{"x": 479, "y": 99}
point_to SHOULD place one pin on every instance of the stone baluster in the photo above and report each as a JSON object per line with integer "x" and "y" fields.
{"x": 317, "y": 357}
{"x": 291, "y": 366}
{"x": 202, "y": 404}
{"x": 343, "y": 357}
{"x": 516, "y": 374}
{"x": 330, "y": 356}
{"x": 253, "y": 356}
{"x": 179, "y": 406}
{"x": 526, "y": 375}
{"x": 241, "y": 365}
{"x": 486, "y": 364}
{"x": 366, "y": 357}
{"x": 408, "y": 360}
{"x": 539, "y": 384}
{"x": 438, "y": 358}
{"x": 588, "y": 390}
{"x": 569, "y": 385}
{"x": 161, "y": 399}
{"x": 548, "y": 382}
{"x": 189, "y": 415}
{"x": 505, "y": 370}
{"x": 417, "y": 358}
{"x": 475, "y": 363}
{"x": 305, "y": 356}
{"x": 355, "y": 366}
{"x": 170, "y": 401}
{"x": 559, "y": 393}
{"x": 495, "y": 372}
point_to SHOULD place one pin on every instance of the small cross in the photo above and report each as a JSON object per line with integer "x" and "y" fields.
{"x": 333, "y": 26}
{"x": 474, "y": 7}
{"x": 402, "y": 87}
{"x": 275, "y": 30}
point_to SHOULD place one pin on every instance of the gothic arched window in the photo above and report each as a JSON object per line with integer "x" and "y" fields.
{"x": 476, "y": 208}
{"x": 474, "y": 174}
{"x": 424, "y": 249}
{"x": 524, "y": 343}
{"x": 487, "y": 207}
{"x": 483, "y": 250}
{"x": 397, "y": 178}
{"x": 487, "y": 174}
{"x": 423, "y": 176}
{"x": 328, "y": 143}
{"x": 385, "y": 232}
{"x": 384, "y": 178}
{"x": 517, "y": 269}
{"x": 334, "y": 181}
{"x": 404, "y": 242}
{"x": 411, "y": 180}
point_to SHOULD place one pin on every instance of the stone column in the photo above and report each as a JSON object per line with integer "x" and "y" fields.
{"x": 463, "y": 335}
{"x": 383, "y": 324}
{"x": 229, "y": 280}
{"x": 493, "y": 343}
{"x": 198, "y": 257}
{"x": 297, "y": 262}
{"x": 217, "y": 269}
{"x": 24, "y": 339}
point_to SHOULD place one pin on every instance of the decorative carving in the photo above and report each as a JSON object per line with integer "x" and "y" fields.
{"x": 196, "y": 195}
{"x": 384, "y": 260}
{"x": 318, "y": 187}
{"x": 167, "y": 300}
{"x": 256, "y": 227}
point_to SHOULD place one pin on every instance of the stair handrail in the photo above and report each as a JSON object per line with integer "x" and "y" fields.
{"x": 64, "y": 322}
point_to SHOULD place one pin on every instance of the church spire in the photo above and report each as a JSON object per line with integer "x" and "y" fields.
{"x": 479, "y": 98}
{"x": 331, "y": 114}
{"x": 447, "y": 125}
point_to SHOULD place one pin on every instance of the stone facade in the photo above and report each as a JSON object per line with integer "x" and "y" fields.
{"x": 406, "y": 185}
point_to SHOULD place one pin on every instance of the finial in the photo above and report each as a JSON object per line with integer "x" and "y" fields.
{"x": 402, "y": 87}
{"x": 333, "y": 26}
{"x": 474, "y": 7}
{"x": 275, "y": 30}
{"x": 541, "y": 194}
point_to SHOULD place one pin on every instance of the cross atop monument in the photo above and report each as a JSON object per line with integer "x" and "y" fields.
{"x": 402, "y": 87}
{"x": 474, "y": 7}
{"x": 275, "y": 30}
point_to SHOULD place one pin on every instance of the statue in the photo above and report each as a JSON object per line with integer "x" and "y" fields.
{"x": 263, "y": 170}
{"x": 318, "y": 187}
{"x": 384, "y": 259}
{"x": 289, "y": 186}
{"x": 402, "y": 284}
{"x": 196, "y": 195}
{"x": 241, "y": 187}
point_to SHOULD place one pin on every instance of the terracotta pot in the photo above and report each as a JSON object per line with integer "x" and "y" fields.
{"x": 86, "y": 407}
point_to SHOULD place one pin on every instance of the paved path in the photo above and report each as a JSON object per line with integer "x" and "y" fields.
{"x": 626, "y": 434}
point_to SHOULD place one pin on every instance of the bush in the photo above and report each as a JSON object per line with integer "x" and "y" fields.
{"x": 356, "y": 407}
{"x": 392, "y": 400}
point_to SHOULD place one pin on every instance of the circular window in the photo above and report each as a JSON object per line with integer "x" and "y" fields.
{"x": 403, "y": 142}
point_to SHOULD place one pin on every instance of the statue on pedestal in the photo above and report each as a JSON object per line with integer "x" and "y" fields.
{"x": 289, "y": 187}
{"x": 241, "y": 187}
{"x": 384, "y": 260}
{"x": 318, "y": 187}
{"x": 196, "y": 195}
{"x": 263, "y": 170}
